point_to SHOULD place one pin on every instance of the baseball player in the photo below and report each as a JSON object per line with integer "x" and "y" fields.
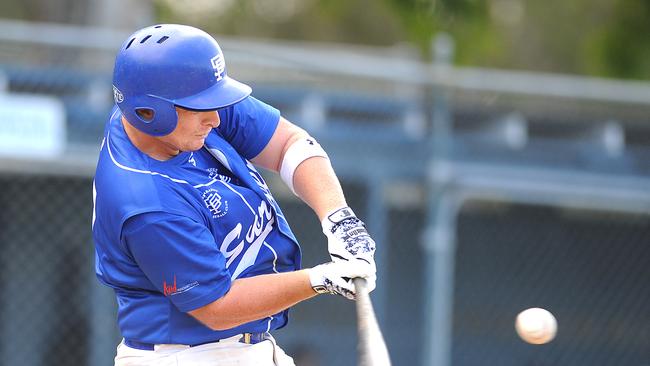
{"x": 187, "y": 233}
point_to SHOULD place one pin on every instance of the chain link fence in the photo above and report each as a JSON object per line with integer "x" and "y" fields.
{"x": 45, "y": 266}
{"x": 589, "y": 268}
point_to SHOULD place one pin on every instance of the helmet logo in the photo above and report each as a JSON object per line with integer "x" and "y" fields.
{"x": 117, "y": 95}
{"x": 219, "y": 66}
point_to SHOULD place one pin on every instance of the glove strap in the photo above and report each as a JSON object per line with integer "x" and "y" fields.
{"x": 337, "y": 216}
{"x": 318, "y": 283}
{"x": 320, "y": 289}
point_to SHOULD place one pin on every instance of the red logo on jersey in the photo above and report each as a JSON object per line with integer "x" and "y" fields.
{"x": 169, "y": 289}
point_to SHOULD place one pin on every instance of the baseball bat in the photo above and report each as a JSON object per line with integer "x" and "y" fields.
{"x": 372, "y": 347}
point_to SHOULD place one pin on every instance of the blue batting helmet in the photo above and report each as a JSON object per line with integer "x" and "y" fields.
{"x": 168, "y": 65}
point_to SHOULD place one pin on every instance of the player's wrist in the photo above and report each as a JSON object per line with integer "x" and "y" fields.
{"x": 335, "y": 278}
{"x": 336, "y": 216}
{"x": 317, "y": 280}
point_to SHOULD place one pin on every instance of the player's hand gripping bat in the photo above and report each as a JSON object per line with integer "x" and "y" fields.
{"x": 372, "y": 348}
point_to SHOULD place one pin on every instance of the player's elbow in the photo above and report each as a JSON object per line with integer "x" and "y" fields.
{"x": 211, "y": 317}
{"x": 220, "y": 325}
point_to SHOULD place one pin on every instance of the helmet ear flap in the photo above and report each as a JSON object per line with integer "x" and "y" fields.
{"x": 151, "y": 115}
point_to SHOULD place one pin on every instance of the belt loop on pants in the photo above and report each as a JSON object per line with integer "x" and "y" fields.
{"x": 254, "y": 338}
{"x": 248, "y": 338}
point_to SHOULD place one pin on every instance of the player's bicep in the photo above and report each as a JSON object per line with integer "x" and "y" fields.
{"x": 285, "y": 134}
{"x": 179, "y": 257}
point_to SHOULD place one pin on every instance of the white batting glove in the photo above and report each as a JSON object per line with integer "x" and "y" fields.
{"x": 336, "y": 278}
{"x": 347, "y": 237}
{"x": 349, "y": 241}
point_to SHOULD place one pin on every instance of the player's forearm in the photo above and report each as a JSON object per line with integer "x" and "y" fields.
{"x": 317, "y": 185}
{"x": 255, "y": 298}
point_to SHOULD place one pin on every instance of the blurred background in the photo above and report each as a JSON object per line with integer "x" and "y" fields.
{"x": 498, "y": 150}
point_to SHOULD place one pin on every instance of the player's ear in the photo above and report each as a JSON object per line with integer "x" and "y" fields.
{"x": 151, "y": 115}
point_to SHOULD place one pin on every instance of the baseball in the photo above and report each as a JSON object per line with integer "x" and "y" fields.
{"x": 536, "y": 326}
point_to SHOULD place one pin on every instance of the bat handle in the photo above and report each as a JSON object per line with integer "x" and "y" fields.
{"x": 372, "y": 347}
{"x": 360, "y": 286}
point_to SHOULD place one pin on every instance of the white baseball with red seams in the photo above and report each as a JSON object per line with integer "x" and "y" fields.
{"x": 536, "y": 326}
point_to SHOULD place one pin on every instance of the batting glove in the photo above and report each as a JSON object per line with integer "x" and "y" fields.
{"x": 347, "y": 237}
{"x": 336, "y": 278}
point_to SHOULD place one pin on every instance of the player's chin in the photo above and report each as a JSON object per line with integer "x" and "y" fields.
{"x": 194, "y": 145}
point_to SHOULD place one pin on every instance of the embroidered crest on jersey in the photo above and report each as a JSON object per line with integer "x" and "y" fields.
{"x": 213, "y": 201}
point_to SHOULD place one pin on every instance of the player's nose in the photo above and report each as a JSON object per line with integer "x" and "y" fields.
{"x": 211, "y": 118}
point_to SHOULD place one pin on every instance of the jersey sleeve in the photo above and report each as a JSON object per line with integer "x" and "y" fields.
{"x": 248, "y": 125}
{"x": 179, "y": 257}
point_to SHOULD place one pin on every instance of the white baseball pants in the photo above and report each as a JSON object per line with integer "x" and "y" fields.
{"x": 226, "y": 352}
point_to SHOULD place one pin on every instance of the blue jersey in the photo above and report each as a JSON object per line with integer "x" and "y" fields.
{"x": 171, "y": 236}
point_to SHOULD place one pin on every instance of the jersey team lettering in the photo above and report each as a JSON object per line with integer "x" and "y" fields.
{"x": 255, "y": 236}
